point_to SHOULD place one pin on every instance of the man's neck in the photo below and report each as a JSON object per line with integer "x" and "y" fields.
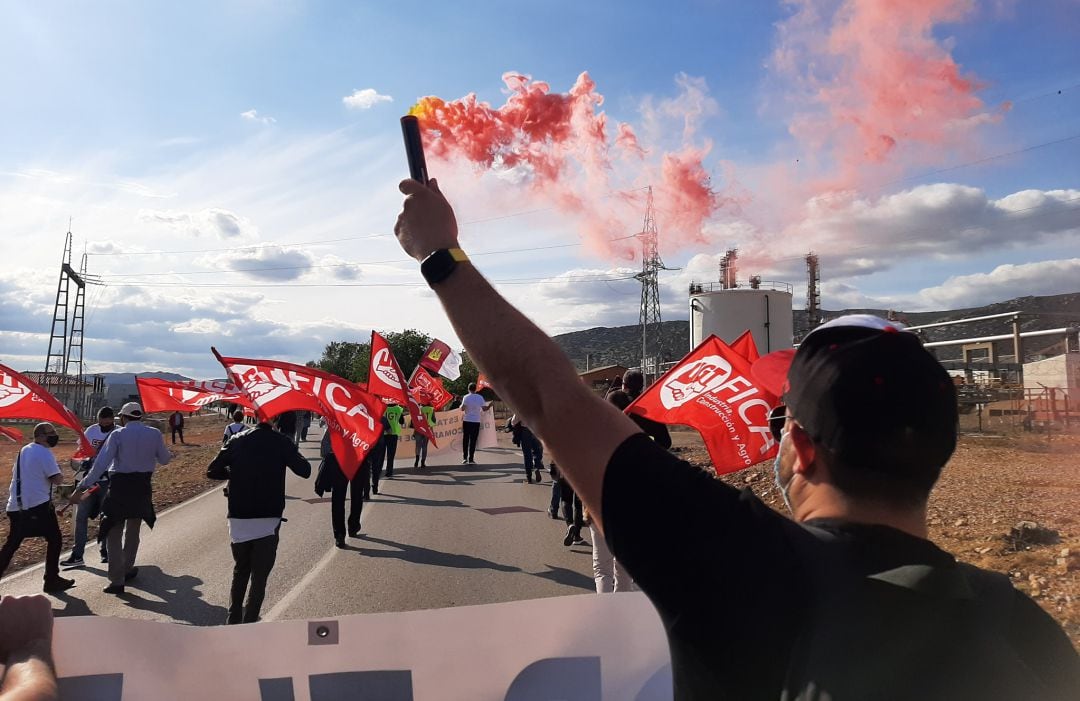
{"x": 829, "y": 503}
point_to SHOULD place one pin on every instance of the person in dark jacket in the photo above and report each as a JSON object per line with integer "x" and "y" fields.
{"x": 633, "y": 384}
{"x": 254, "y": 463}
{"x": 332, "y": 479}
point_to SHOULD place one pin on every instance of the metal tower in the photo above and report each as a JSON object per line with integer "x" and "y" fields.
{"x": 55, "y": 378}
{"x": 649, "y": 318}
{"x": 729, "y": 269}
{"x": 73, "y": 367}
{"x": 813, "y": 291}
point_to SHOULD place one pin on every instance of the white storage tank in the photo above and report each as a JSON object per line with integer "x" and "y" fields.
{"x": 765, "y": 310}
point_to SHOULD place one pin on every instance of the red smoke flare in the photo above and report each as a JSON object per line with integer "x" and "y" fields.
{"x": 559, "y": 143}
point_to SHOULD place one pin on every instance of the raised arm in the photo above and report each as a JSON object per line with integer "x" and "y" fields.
{"x": 530, "y": 370}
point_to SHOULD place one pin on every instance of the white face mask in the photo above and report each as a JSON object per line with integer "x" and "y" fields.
{"x": 776, "y": 475}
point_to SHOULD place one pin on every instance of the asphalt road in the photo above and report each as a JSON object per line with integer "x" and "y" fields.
{"x": 451, "y": 535}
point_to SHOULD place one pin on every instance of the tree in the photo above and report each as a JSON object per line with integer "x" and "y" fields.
{"x": 352, "y": 360}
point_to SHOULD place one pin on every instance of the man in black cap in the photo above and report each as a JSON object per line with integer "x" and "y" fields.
{"x": 849, "y": 600}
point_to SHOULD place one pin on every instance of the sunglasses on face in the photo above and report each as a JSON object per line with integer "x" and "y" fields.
{"x": 777, "y": 418}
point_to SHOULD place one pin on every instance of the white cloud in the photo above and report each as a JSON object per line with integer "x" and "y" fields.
{"x": 254, "y": 116}
{"x": 270, "y": 263}
{"x": 212, "y": 221}
{"x": 365, "y": 99}
{"x": 1004, "y": 282}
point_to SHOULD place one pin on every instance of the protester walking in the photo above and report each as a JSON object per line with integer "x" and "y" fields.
{"x": 375, "y": 458}
{"x": 420, "y": 441}
{"x": 176, "y": 425}
{"x": 631, "y": 387}
{"x": 254, "y": 463}
{"x": 130, "y": 455}
{"x": 90, "y": 506}
{"x": 850, "y": 600}
{"x": 332, "y": 479}
{"x": 532, "y": 451}
{"x": 473, "y": 407}
{"x": 286, "y": 423}
{"x": 237, "y": 426}
{"x": 304, "y": 425}
{"x": 29, "y": 506}
{"x": 608, "y": 573}
{"x": 394, "y": 415}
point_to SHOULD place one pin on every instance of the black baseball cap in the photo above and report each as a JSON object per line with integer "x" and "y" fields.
{"x": 866, "y": 390}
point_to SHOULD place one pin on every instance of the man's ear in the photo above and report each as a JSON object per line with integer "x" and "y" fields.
{"x": 805, "y": 451}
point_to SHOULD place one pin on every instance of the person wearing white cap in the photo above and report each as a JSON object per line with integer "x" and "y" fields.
{"x": 130, "y": 455}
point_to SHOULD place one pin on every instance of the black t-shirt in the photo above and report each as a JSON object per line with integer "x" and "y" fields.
{"x": 735, "y": 582}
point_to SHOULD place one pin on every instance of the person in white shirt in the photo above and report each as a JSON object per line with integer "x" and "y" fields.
{"x": 29, "y": 506}
{"x": 473, "y": 407}
{"x": 130, "y": 454}
{"x": 90, "y": 507}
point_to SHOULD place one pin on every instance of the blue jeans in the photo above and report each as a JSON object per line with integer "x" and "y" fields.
{"x": 92, "y": 504}
{"x": 533, "y": 452}
{"x": 556, "y": 495}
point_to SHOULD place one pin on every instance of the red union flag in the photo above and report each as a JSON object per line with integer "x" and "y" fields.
{"x": 274, "y": 387}
{"x": 712, "y": 391}
{"x": 744, "y": 345}
{"x": 385, "y": 380}
{"x": 186, "y": 395}
{"x": 441, "y": 360}
{"x": 22, "y": 398}
{"x": 12, "y": 434}
{"x": 429, "y": 389}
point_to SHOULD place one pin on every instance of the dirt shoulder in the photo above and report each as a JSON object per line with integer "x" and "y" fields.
{"x": 183, "y": 478}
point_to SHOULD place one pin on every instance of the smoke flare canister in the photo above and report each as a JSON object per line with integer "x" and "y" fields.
{"x": 414, "y": 148}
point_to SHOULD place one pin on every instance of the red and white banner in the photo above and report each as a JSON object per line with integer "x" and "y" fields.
{"x": 440, "y": 359}
{"x": 186, "y": 395}
{"x": 22, "y": 398}
{"x": 386, "y": 380}
{"x": 429, "y": 389}
{"x": 12, "y": 434}
{"x": 482, "y": 383}
{"x": 274, "y": 387}
{"x": 711, "y": 390}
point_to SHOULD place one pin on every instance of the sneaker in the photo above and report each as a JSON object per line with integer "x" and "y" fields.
{"x": 104, "y": 558}
{"x": 374, "y": 489}
{"x": 131, "y": 574}
{"x": 354, "y": 533}
{"x": 553, "y": 514}
{"x": 570, "y": 537}
{"x": 114, "y": 589}
{"x": 472, "y": 462}
{"x": 72, "y": 562}
{"x": 465, "y": 461}
{"x": 59, "y": 584}
{"x": 340, "y": 543}
{"x": 538, "y": 480}
{"x": 580, "y": 541}
{"x": 528, "y": 477}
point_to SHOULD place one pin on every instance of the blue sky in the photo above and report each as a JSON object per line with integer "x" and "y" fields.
{"x": 128, "y": 117}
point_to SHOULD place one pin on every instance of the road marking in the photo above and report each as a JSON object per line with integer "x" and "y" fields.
{"x": 286, "y": 601}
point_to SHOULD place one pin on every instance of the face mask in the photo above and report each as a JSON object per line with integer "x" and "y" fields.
{"x": 776, "y": 476}
{"x": 105, "y": 428}
{"x": 52, "y": 440}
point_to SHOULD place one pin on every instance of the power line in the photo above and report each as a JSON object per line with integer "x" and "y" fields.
{"x": 228, "y": 285}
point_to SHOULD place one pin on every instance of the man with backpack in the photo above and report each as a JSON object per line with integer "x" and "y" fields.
{"x": 850, "y": 600}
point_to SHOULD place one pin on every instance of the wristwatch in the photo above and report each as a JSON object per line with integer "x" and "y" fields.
{"x": 438, "y": 266}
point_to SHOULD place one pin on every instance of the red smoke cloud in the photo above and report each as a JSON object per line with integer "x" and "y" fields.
{"x": 875, "y": 91}
{"x": 872, "y": 95}
{"x": 560, "y": 143}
